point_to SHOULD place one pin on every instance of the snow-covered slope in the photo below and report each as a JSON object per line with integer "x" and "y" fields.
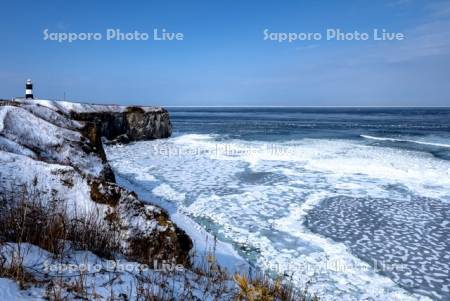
{"x": 107, "y": 279}
{"x": 45, "y": 154}
{"x": 50, "y": 137}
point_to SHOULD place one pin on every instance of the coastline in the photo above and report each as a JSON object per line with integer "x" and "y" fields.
{"x": 204, "y": 242}
{"x": 66, "y": 173}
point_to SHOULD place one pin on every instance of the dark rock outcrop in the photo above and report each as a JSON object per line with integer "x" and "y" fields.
{"x": 131, "y": 124}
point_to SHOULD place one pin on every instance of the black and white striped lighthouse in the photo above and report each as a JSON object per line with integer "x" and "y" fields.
{"x": 29, "y": 89}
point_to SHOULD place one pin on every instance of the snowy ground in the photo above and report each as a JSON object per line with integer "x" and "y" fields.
{"x": 101, "y": 279}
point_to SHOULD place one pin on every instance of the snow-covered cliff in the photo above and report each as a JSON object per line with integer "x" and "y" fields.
{"x": 46, "y": 154}
{"x": 115, "y": 123}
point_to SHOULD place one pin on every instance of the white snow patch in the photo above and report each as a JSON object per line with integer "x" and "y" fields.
{"x": 68, "y": 106}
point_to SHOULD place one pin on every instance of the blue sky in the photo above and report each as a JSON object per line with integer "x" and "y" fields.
{"x": 223, "y": 59}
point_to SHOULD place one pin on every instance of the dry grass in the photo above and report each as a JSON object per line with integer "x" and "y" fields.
{"x": 50, "y": 227}
{"x": 262, "y": 288}
{"x": 217, "y": 284}
{"x": 14, "y": 270}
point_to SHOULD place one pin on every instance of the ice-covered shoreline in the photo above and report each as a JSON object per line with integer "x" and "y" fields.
{"x": 185, "y": 171}
{"x": 203, "y": 242}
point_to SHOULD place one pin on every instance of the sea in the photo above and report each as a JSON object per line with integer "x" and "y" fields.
{"x": 350, "y": 203}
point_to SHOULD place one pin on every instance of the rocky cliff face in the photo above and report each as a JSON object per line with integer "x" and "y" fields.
{"x": 131, "y": 124}
{"x": 54, "y": 150}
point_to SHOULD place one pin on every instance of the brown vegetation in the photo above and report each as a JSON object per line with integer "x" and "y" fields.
{"x": 50, "y": 227}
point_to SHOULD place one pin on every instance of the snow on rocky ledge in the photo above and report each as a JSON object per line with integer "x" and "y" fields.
{"x": 67, "y": 106}
{"x": 115, "y": 123}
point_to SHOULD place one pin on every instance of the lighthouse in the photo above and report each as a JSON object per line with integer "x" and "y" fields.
{"x": 29, "y": 89}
